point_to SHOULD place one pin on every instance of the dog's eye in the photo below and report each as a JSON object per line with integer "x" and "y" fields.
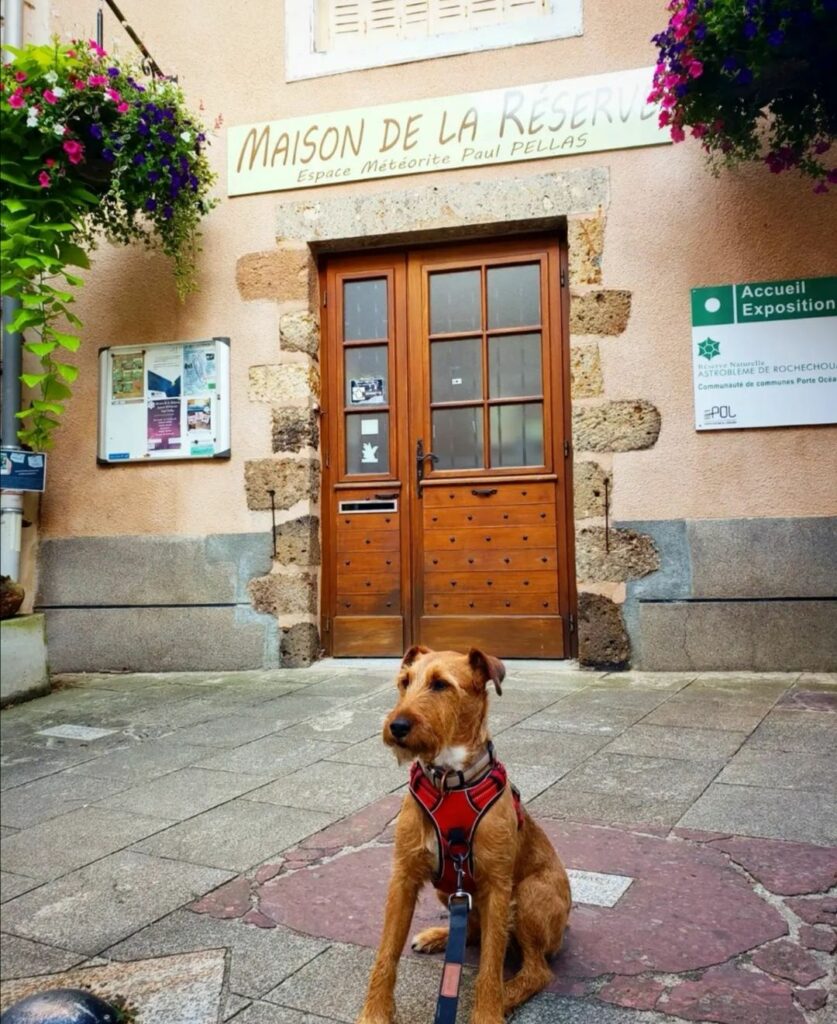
{"x": 403, "y": 682}
{"x": 438, "y": 685}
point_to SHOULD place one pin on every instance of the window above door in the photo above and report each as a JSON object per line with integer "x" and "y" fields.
{"x": 327, "y": 37}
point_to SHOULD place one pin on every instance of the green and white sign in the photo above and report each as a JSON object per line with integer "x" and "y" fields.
{"x": 764, "y": 354}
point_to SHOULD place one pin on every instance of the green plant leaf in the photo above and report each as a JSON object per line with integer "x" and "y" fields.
{"x": 40, "y": 348}
{"x": 54, "y": 407}
{"x": 67, "y": 371}
{"x": 74, "y": 255}
{"x": 68, "y": 341}
{"x": 32, "y": 380}
{"x": 25, "y": 318}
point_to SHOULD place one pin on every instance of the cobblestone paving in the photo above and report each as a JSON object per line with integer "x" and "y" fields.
{"x": 253, "y": 812}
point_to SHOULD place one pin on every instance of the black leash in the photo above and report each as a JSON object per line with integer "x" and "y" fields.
{"x": 459, "y": 905}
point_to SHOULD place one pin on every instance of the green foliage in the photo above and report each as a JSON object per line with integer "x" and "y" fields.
{"x": 89, "y": 147}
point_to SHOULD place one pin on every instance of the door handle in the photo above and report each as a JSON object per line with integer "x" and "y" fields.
{"x": 421, "y": 457}
{"x": 386, "y": 497}
{"x": 483, "y": 492}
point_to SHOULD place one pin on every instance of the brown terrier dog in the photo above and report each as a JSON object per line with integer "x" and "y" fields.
{"x": 520, "y": 886}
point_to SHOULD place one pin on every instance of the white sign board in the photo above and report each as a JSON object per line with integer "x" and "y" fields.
{"x": 168, "y": 401}
{"x": 525, "y": 122}
{"x": 764, "y": 354}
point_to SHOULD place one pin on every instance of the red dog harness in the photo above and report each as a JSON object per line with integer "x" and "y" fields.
{"x": 455, "y": 813}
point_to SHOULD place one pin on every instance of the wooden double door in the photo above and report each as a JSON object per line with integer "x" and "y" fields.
{"x": 446, "y": 490}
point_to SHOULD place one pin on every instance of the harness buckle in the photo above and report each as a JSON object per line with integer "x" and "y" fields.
{"x": 460, "y": 896}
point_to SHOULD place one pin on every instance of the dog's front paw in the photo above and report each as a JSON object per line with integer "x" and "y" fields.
{"x": 431, "y": 940}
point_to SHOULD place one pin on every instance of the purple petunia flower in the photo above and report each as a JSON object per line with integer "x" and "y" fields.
{"x": 107, "y": 154}
{"x": 96, "y": 131}
{"x": 139, "y": 159}
{"x": 744, "y": 76}
{"x": 150, "y": 204}
{"x": 153, "y": 176}
{"x": 750, "y": 29}
{"x": 113, "y": 72}
{"x": 167, "y": 212}
{"x": 142, "y": 127}
{"x": 776, "y": 37}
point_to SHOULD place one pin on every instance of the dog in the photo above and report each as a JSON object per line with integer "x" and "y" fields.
{"x": 519, "y": 886}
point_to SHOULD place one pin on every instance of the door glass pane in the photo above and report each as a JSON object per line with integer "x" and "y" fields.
{"x": 367, "y": 442}
{"x": 365, "y": 309}
{"x": 366, "y": 375}
{"x": 456, "y": 370}
{"x": 457, "y": 438}
{"x": 455, "y": 302}
{"x": 516, "y": 435}
{"x": 514, "y": 365}
{"x": 514, "y": 295}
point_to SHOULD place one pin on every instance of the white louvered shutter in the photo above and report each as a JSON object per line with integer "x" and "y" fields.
{"x": 343, "y": 23}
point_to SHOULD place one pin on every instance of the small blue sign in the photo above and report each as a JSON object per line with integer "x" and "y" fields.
{"x": 22, "y": 471}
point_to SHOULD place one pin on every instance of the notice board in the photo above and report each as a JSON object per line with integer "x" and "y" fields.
{"x": 764, "y": 353}
{"x": 164, "y": 401}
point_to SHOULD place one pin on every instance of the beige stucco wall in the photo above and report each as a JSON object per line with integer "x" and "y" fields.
{"x": 669, "y": 226}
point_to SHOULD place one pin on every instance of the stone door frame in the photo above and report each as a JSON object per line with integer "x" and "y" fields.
{"x": 572, "y": 204}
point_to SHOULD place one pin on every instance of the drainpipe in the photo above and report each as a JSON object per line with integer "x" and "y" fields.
{"x": 11, "y": 502}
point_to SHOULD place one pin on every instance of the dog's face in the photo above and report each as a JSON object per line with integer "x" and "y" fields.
{"x": 442, "y": 704}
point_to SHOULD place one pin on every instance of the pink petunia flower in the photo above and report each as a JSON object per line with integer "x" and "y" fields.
{"x": 50, "y": 96}
{"x": 123, "y": 107}
{"x": 44, "y": 179}
{"x": 78, "y": 84}
{"x": 96, "y": 80}
{"x": 677, "y": 133}
{"x": 699, "y": 130}
{"x": 49, "y": 162}
{"x": 74, "y": 151}
{"x": 114, "y": 95}
{"x": 20, "y": 76}
{"x": 94, "y": 46}
{"x": 696, "y": 69}
{"x": 16, "y": 99}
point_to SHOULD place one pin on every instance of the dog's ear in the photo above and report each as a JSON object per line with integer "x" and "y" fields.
{"x": 414, "y": 652}
{"x": 486, "y": 669}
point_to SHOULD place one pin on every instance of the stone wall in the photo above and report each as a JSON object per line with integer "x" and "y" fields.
{"x": 736, "y": 594}
{"x": 606, "y": 557}
{"x": 289, "y": 473}
{"x": 156, "y": 604}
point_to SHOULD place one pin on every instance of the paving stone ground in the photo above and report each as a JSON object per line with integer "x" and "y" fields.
{"x": 252, "y": 813}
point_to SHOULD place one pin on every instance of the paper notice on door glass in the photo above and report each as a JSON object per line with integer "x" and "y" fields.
{"x": 199, "y": 368}
{"x": 369, "y": 426}
{"x": 164, "y": 424}
{"x": 369, "y": 453}
{"x": 367, "y": 391}
{"x": 164, "y": 368}
{"x": 126, "y": 373}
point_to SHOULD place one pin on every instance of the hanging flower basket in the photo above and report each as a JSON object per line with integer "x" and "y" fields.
{"x": 92, "y": 147}
{"x": 753, "y": 80}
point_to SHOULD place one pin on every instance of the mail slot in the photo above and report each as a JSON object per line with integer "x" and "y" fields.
{"x": 369, "y": 505}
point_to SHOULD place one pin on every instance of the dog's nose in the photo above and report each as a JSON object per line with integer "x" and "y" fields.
{"x": 399, "y": 727}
